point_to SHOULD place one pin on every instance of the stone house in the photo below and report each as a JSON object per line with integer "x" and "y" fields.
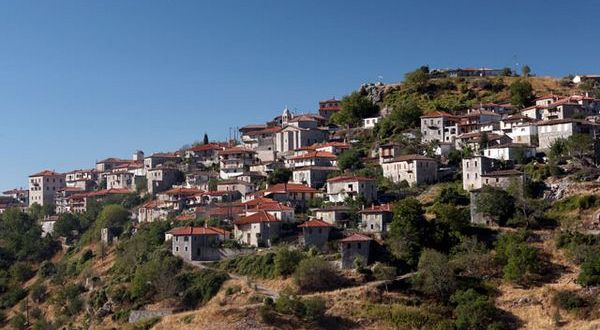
{"x": 328, "y": 107}
{"x": 241, "y": 188}
{"x": 439, "y": 126}
{"x": 43, "y": 187}
{"x": 235, "y": 161}
{"x": 205, "y": 154}
{"x": 315, "y": 232}
{"x": 160, "y": 158}
{"x": 258, "y": 229}
{"x": 314, "y": 158}
{"x": 355, "y": 246}
{"x": 313, "y": 176}
{"x": 388, "y": 152}
{"x": 293, "y": 193}
{"x": 334, "y": 215}
{"x": 550, "y": 131}
{"x": 152, "y": 211}
{"x": 510, "y": 151}
{"x": 196, "y": 243}
{"x": 376, "y": 219}
{"x": 262, "y": 142}
{"x": 162, "y": 178}
{"x": 282, "y": 212}
{"x": 342, "y": 187}
{"x": 479, "y": 171}
{"x": 414, "y": 169}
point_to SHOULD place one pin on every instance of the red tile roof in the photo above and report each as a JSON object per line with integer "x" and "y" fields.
{"x": 436, "y": 114}
{"x": 184, "y": 231}
{"x": 45, "y": 173}
{"x": 257, "y": 201}
{"x": 349, "y": 178}
{"x": 315, "y": 223}
{"x": 206, "y": 147}
{"x": 377, "y": 209}
{"x": 315, "y": 154}
{"x": 235, "y": 150}
{"x": 289, "y": 187}
{"x": 273, "y": 207}
{"x": 258, "y": 217}
{"x": 183, "y": 191}
{"x": 356, "y": 238}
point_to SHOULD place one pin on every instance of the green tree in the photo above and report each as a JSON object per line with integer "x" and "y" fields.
{"x": 519, "y": 260}
{"x": 353, "y": 108}
{"x": 435, "y": 276}
{"x": 484, "y": 140}
{"x": 350, "y": 159}
{"x": 65, "y": 225}
{"x": 316, "y": 274}
{"x": 580, "y": 145}
{"x": 590, "y": 271}
{"x": 205, "y": 139}
{"x": 507, "y": 72}
{"x": 407, "y": 230}
{"x": 521, "y": 93}
{"x": 286, "y": 261}
{"x": 405, "y": 114}
{"x": 279, "y": 175}
{"x": 495, "y": 203}
{"x": 417, "y": 79}
{"x": 473, "y": 311}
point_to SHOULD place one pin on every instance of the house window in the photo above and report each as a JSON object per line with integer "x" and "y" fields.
{"x": 185, "y": 249}
{"x": 176, "y": 249}
{"x": 358, "y": 245}
{"x": 186, "y": 238}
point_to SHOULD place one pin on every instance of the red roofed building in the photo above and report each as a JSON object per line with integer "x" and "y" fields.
{"x": 196, "y": 243}
{"x": 314, "y": 158}
{"x": 341, "y": 188}
{"x": 376, "y": 219}
{"x": 293, "y": 193}
{"x": 280, "y": 211}
{"x": 355, "y": 247}
{"x": 43, "y": 187}
{"x": 315, "y": 232}
{"x": 235, "y": 161}
{"x": 414, "y": 169}
{"x": 258, "y": 229}
{"x": 329, "y": 107}
{"x": 205, "y": 154}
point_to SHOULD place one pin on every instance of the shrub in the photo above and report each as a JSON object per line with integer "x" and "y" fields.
{"x": 290, "y": 305}
{"x": 590, "y": 271}
{"x": 38, "y": 293}
{"x": 407, "y": 317}
{"x": 87, "y": 255}
{"x": 569, "y": 300}
{"x": 262, "y": 265}
{"x": 435, "y": 276}
{"x": 286, "y": 261}
{"x": 473, "y": 311}
{"x": 266, "y": 312}
{"x": 21, "y": 271}
{"x": 316, "y": 274}
{"x": 47, "y": 269}
{"x": 314, "y": 309}
{"x": 12, "y": 297}
{"x": 199, "y": 287}
{"x": 518, "y": 258}
{"x": 18, "y": 322}
{"x": 383, "y": 272}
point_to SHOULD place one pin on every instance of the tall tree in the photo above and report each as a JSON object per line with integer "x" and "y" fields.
{"x": 526, "y": 70}
{"x": 205, "y": 139}
{"x": 407, "y": 230}
{"x": 521, "y": 93}
{"x": 354, "y": 108}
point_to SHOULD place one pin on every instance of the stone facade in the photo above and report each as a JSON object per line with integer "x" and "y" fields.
{"x": 354, "y": 247}
{"x": 414, "y": 169}
{"x": 342, "y": 187}
{"x": 43, "y": 187}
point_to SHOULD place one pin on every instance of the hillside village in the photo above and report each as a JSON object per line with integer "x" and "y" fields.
{"x": 458, "y": 198}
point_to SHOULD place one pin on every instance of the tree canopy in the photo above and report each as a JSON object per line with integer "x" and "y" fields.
{"x": 353, "y": 108}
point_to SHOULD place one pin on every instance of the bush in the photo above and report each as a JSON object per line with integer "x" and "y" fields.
{"x": 12, "y": 297}
{"x": 266, "y": 312}
{"x": 199, "y": 287}
{"x": 473, "y": 311}
{"x": 314, "y": 309}
{"x": 435, "y": 276}
{"x": 518, "y": 258}
{"x": 38, "y": 293}
{"x": 258, "y": 265}
{"x": 316, "y": 274}
{"x": 382, "y": 272}
{"x": 21, "y": 271}
{"x": 590, "y": 271}
{"x": 569, "y": 300}
{"x": 47, "y": 269}
{"x": 408, "y": 317}
{"x": 286, "y": 261}
{"x": 18, "y": 322}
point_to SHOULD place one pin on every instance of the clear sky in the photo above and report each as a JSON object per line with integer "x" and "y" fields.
{"x": 85, "y": 80}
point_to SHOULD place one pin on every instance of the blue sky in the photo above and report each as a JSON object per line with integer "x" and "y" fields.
{"x": 84, "y": 80}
